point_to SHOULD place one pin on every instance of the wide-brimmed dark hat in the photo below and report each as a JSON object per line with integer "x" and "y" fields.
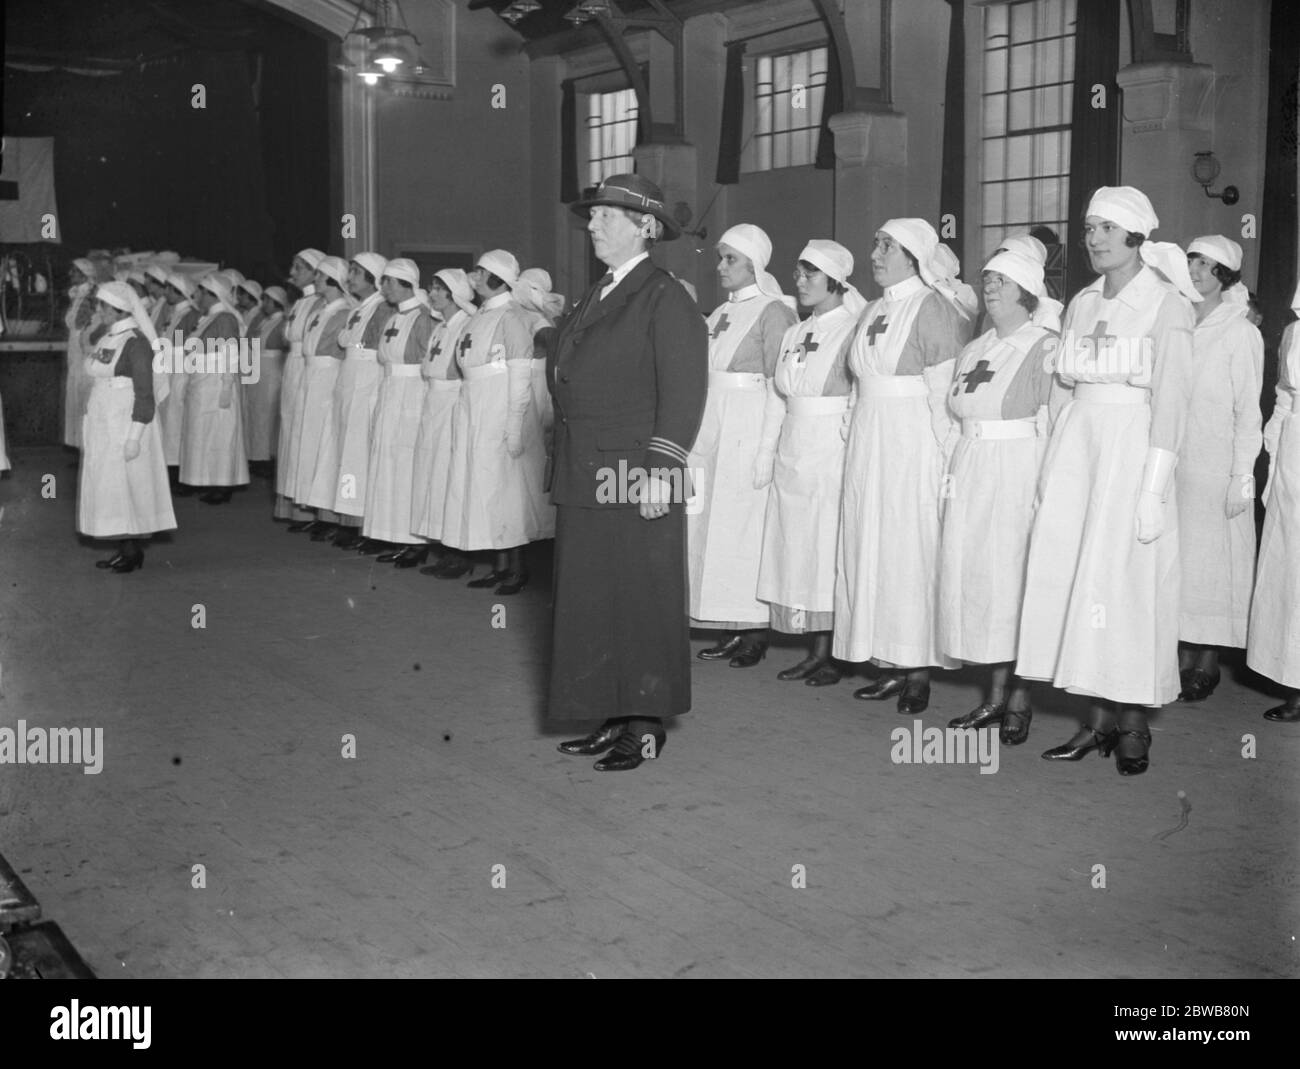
{"x": 634, "y": 192}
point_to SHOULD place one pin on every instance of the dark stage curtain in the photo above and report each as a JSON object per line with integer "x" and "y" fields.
{"x": 1094, "y": 141}
{"x": 136, "y": 164}
{"x": 569, "y": 191}
{"x": 1278, "y": 222}
{"x": 733, "y": 116}
{"x": 952, "y": 188}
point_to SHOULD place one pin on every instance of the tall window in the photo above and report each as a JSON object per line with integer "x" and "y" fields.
{"x": 611, "y": 133}
{"x": 1028, "y": 92}
{"x": 788, "y": 92}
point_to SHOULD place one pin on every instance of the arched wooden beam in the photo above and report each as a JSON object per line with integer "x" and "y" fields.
{"x": 614, "y": 38}
{"x": 829, "y": 11}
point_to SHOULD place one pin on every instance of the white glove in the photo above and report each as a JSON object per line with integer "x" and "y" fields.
{"x": 773, "y": 417}
{"x": 1157, "y": 478}
{"x": 1241, "y": 492}
{"x": 131, "y": 448}
{"x": 1268, "y": 482}
{"x": 519, "y": 375}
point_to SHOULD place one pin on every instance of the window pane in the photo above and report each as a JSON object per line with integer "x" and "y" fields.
{"x": 1018, "y": 209}
{"x": 994, "y": 164}
{"x": 1020, "y": 114}
{"x": 995, "y": 120}
{"x": 1048, "y": 201}
{"x": 995, "y": 20}
{"x": 993, "y": 204}
{"x": 1022, "y": 66}
{"x": 1022, "y": 21}
{"x": 995, "y": 71}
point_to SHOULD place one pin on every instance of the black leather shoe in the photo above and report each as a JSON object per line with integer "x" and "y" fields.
{"x": 348, "y": 538}
{"x": 727, "y": 648}
{"x": 512, "y": 583}
{"x": 1086, "y": 739}
{"x": 370, "y": 548}
{"x": 1284, "y": 714}
{"x": 390, "y": 554}
{"x": 129, "y": 564}
{"x": 1198, "y": 685}
{"x": 111, "y": 562}
{"x": 885, "y": 686}
{"x": 750, "y": 653}
{"x": 491, "y": 579}
{"x": 411, "y": 557}
{"x": 596, "y": 742}
{"x": 450, "y": 568}
{"x": 980, "y": 717}
{"x": 216, "y": 497}
{"x": 824, "y": 676}
{"x": 1133, "y": 764}
{"x": 802, "y": 670}
{"x": 629, "y": 752}
{"x": 1015, "y": 726}
{"x": 298, "y": 526}
{"x": 181, "y": 490}
{"x": 327, "y": 532}
{"x": 914, "y": 699}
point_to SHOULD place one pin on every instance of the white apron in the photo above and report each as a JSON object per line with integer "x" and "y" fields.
{"x": 317, "y": 469}
{"x": 887, "y": 591}
{"x": 76, "y": 383}
{"x": 286, "y": 466}
{"x": 494, "y": 501}
{"x": 988, "y": 505}
{"x": 1273, "y": 649}
{"x": 261, "y": 399}
{"x": 433, "y": 444}
{"x": 116, "y": 497}
{"x": 171, "y": 413}
{"x": 802, "y": 519}
{"x": 355, "y": 395}
{"x": 212, "y": 438}
{"x": 392, "y": 446}
{"x": 1223, "y": 436}
{"x": 1100, "y": 615}
{"x": 724, "y": 525}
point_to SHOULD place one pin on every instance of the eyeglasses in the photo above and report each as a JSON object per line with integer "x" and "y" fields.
{"x": 800, "y": 275}
{"x": 994, "y": 281}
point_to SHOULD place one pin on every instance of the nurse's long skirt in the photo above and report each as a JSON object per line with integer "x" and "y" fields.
{"x": 1101, "y": 608}
{"x": 432, "y": 459}
{"x": 392, "y": 455}
{"x": 212, "y": 444}
{"x": 261, "y": 401}
{"x": 1273, "y": 644}
{"x": 120, "y": 498}
{"x": 313, "y": 485}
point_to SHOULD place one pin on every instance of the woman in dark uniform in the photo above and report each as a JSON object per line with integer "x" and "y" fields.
{"x": 628, "y": 373}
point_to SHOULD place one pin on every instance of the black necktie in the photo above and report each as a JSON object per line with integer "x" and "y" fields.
{"x": 607, "y": 279}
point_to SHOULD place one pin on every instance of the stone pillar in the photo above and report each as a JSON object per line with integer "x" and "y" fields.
{"x": 1168, "y": 118}
{"x": 870, "y": 180}
{"x": 672, "y": 167}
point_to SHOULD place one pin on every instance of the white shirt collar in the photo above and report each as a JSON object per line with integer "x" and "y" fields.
{"x": 411, "y": 302}
{"x": 122, "y": 325}
{"x": 910, "y": 285}
{"x": 621, "y": 272}
{"x": 497, "y": 301}
{"x": 744, "y": 293}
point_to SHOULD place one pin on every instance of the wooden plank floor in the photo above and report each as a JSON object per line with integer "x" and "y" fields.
{"x": 223, "y": 748}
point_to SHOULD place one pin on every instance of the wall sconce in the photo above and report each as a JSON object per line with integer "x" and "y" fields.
{"x": 1205, "y": 170}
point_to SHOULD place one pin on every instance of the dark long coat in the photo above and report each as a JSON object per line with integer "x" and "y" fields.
{"x": 628, "y": 375}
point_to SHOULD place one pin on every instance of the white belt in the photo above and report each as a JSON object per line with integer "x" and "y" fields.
{"x": 999, "y": 428}
{"x": 322, "y": 361}
{"x": 1110, "y": 393}
{"x": 444, "y": 384}
{"x": 402, "y": 371}
{"x": 355, "y": 352}
{"x": 482, "y": 371}
{"x": 271, "y": 352}
{"x": 817, "y": 406}
{"x": 117, "y": 382}
{"x": 893, "y": 386}
{"x": 295, "y": 348}
{"x": 736, "y": 380}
